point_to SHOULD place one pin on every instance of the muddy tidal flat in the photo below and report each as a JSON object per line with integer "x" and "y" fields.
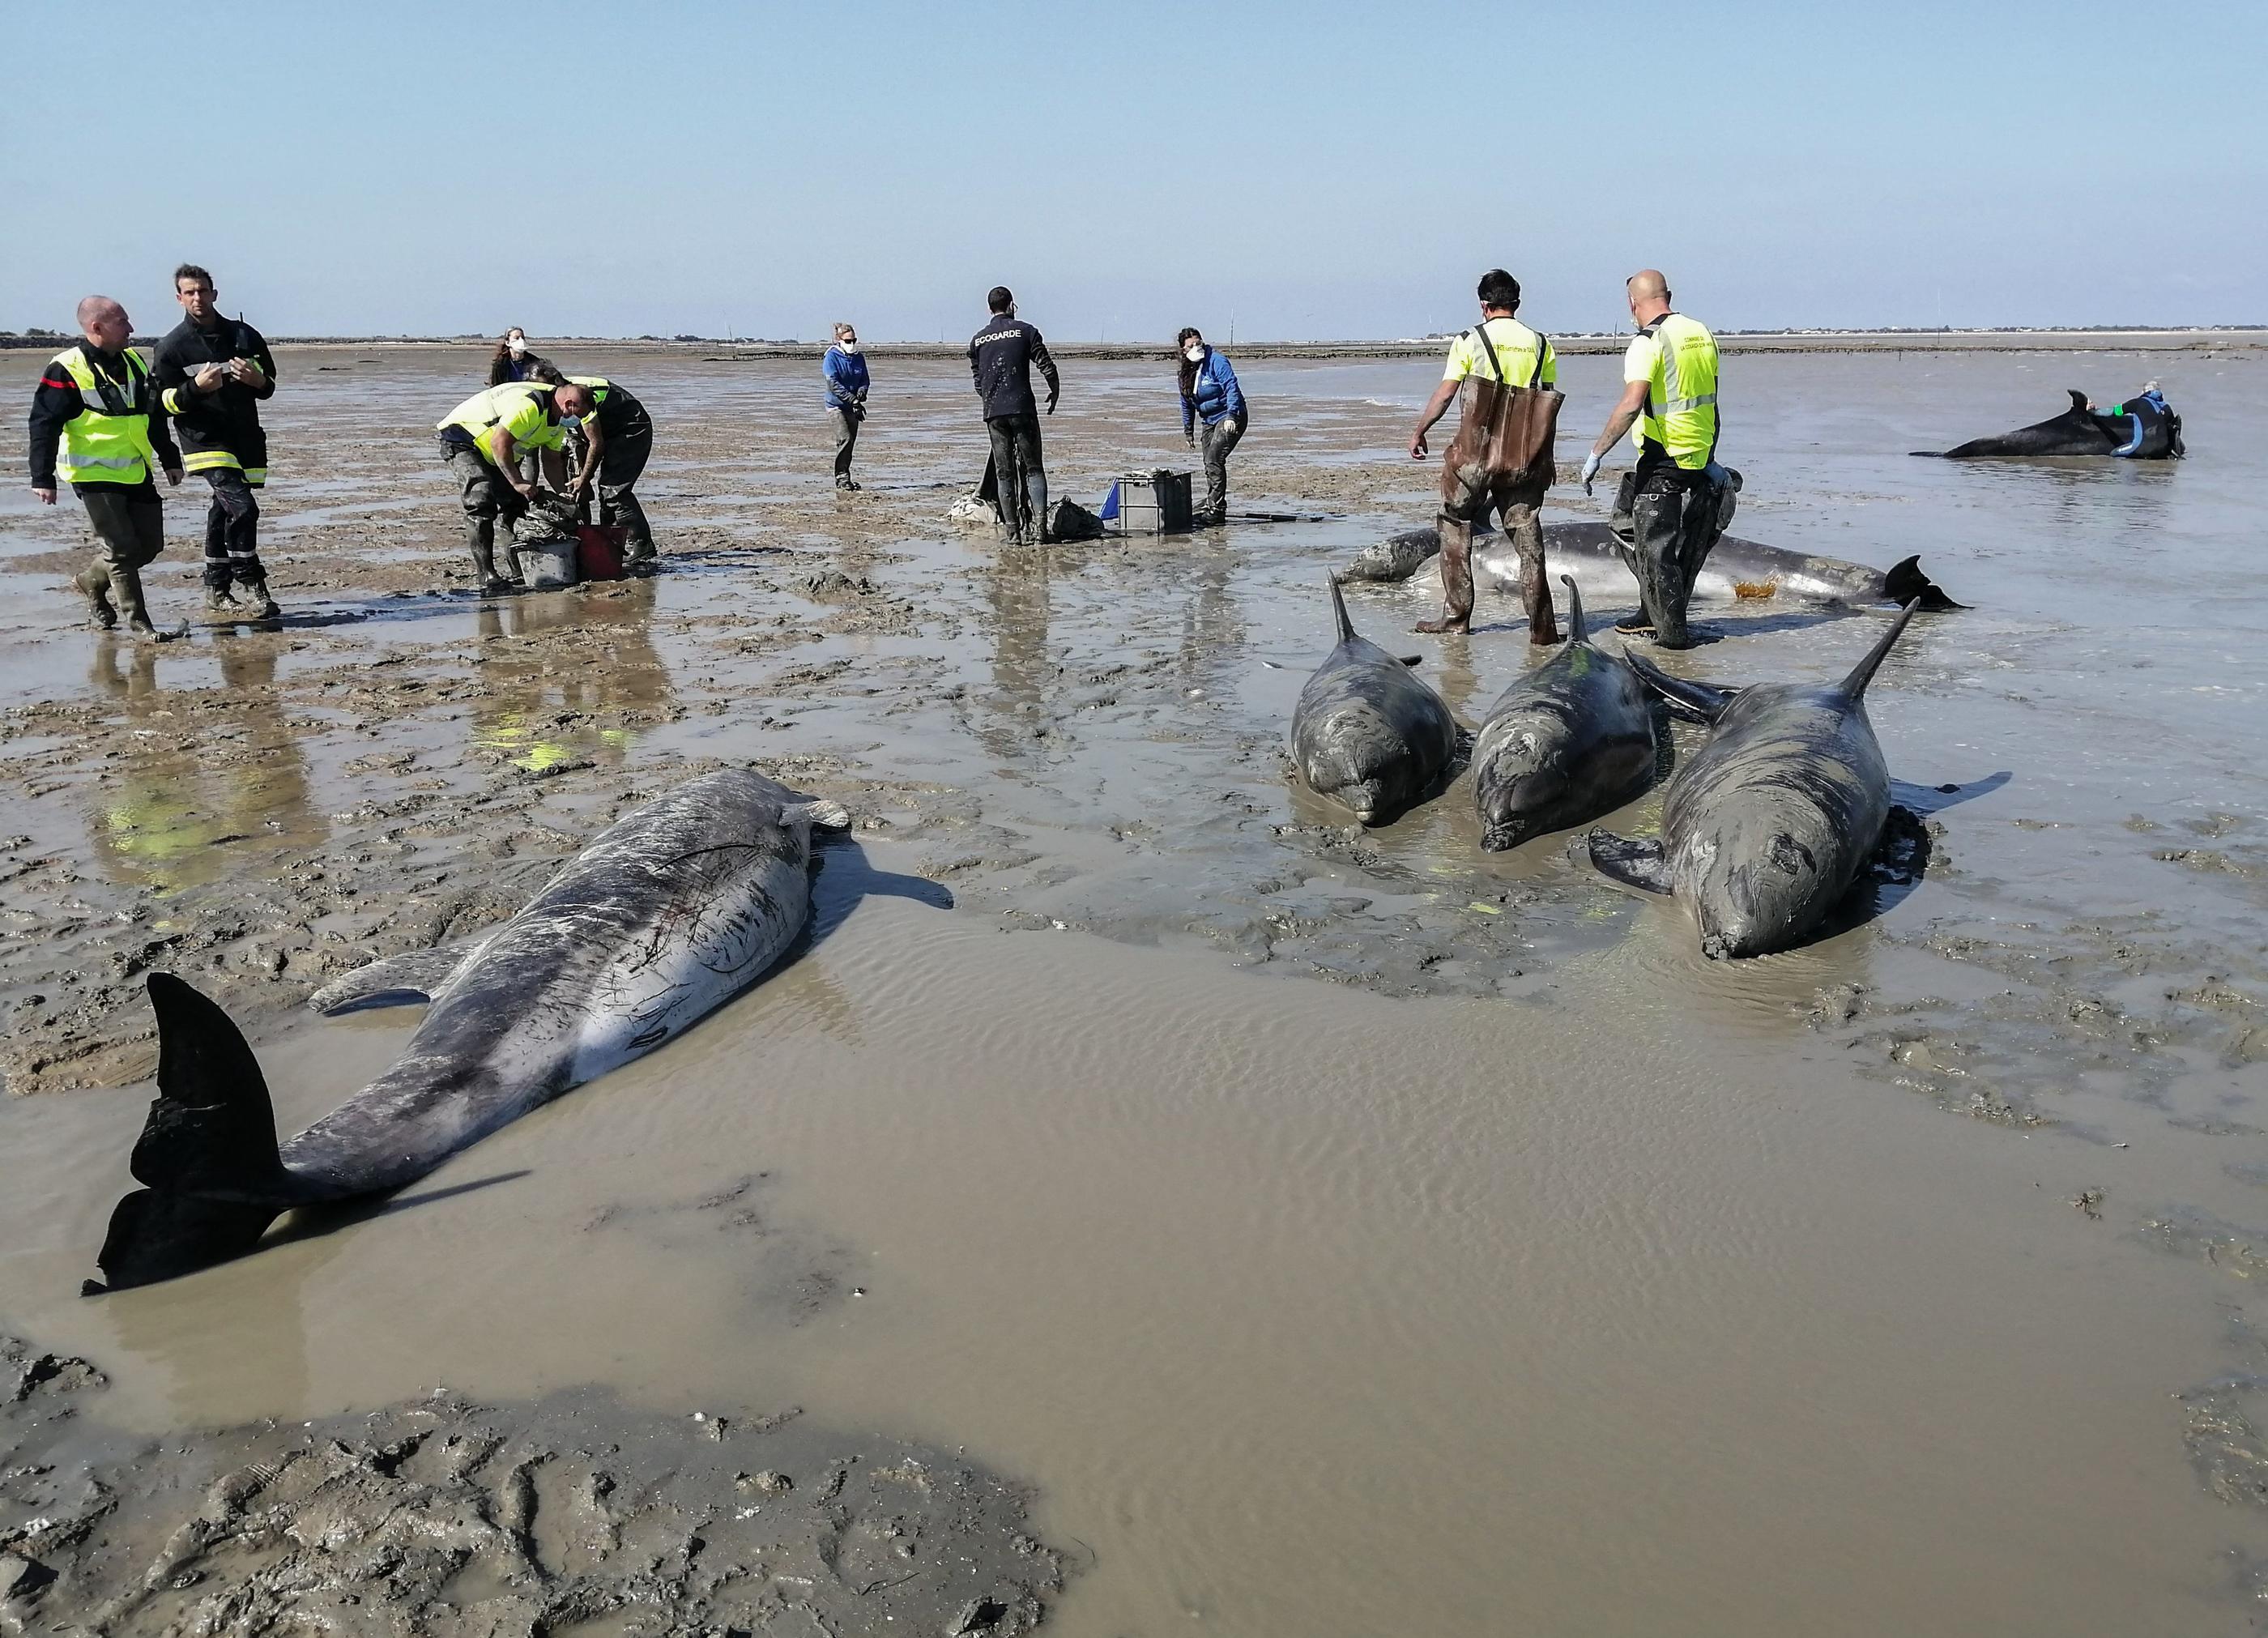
{"x": 1218, "y": 1213}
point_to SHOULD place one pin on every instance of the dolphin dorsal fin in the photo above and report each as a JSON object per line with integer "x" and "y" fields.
{"x": 1576, "y": 632}
{"x": 1338, "y": 609}
{"x": 2078, "y": 399}
{"x": 1863, "y": 673}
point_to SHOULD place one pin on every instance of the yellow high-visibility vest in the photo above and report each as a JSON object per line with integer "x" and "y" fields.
{"x": 521, "y": 407}
{"x": 108, "y": 440}
{"x": 1681, "y": 396}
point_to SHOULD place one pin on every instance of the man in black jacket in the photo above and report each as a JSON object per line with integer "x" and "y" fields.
{"x": 1001, "y": 357}
{"x": 213, "y": 372}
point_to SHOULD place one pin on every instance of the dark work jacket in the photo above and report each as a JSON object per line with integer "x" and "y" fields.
{"x": 1001, "y": 356}
{"x": 227, "y": 421}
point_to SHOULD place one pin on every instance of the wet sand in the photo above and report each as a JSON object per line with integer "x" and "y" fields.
{"x": 1524, "y": 1252}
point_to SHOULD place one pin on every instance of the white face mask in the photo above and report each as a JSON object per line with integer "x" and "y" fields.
{"x": 518, "y": 345}
{"x": 851, "y": 347}
{"x": 1194, "y": 355}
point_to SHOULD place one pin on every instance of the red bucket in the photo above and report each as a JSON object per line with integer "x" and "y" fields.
{"x": 599, "y": 550}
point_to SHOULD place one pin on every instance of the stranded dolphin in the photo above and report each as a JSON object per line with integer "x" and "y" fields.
{"x": 2141, "y": 428}
{"x": 1569, "y": 740}
{"x": 1590, "y": 552}
{"x": 1766, "y": 828}
{"x": 1367, "y": 732}
{"x": 674, "y": 910}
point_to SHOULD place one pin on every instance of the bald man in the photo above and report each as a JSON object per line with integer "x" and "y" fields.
{"x": 1675, "y": 504}
{"x": 95, "y": 418}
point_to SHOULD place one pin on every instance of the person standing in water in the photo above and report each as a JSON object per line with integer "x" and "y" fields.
{"x": 844, "y": 366}
{"x": 1502, "y": 350}
{"x": 1673, "y": 505}
{"x": 212, "y": 374}
{"x": 97, "y": 420}
{"x": 1001, "y": 356}
{"x": 1210, "y": 394}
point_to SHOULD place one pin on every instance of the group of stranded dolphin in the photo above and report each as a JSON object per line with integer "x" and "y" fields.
{"x": 692, "y": 898}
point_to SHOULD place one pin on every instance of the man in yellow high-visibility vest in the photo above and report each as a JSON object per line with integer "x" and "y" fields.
{"x": 95, "y": 419}
{"x": 1673, "y": 505}
{"x": 482, "y": 440}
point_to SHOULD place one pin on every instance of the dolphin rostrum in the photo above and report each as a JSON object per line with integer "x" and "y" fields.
{"x": 1567, "y": 742}
{"x": 1736, "y": 567}
{"x": 1765, "y": 829}
{"x": 1366, "y": 732}
{"x": 672, "y": 911}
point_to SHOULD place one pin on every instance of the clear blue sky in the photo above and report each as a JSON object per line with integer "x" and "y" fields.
{"x": 1315, "y": 170}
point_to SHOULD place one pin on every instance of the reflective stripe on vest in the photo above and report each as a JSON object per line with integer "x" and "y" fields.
{"x": 108, "y": 440}
{"x": 1682, "y": 402}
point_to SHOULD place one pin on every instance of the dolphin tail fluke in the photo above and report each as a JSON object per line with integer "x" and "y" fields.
{"x": 1863, "y": 673}
{"x": 1904, "y": 581}
{"x": 1705, "y": 700}
{"x": 1338, "y": 611}
{"x": 1638, "y": 865}
{"x": 1576, "y": 632}
{"x": 207, "y": 1153}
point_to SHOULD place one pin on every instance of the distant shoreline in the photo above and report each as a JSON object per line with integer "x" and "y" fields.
{"x": 2143, "y": 340}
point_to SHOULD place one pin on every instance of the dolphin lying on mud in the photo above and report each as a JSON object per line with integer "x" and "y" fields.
{"x": 674, "y": 910}
{"x": 1567, "y": 742}
{"x": 1766, "y": 828}
{"x": 1366, "y": 732}
{"x": 2141, "y": 428}
{"x": 1590, "y": 552}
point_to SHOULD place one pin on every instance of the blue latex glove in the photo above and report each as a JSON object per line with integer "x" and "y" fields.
{"x": 1590, "y": 469}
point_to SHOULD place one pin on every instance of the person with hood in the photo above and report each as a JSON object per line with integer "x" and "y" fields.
{"x": 844, "y": 366}
{"x": 97, "y": 420}
{"x": 1210, "y": 394}
{"x": 1001, "y": 356}
{"x": 213, "y": 374}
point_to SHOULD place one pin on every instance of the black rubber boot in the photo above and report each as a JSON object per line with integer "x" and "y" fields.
{"x": 95, "y": 582}
{"x": 255, "y": 586}
{"x": 482, "y": 538}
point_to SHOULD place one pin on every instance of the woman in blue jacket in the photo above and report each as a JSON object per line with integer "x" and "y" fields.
{"x": 844, "y": 366}
{"x": 1210, "y": 394}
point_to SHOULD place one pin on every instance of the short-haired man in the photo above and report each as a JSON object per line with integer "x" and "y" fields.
{"x": 95, "y": 419}
{"x": 617, "y": 441}
{"x": 1001, "y": 356}
{"x": 213, "y": 374}
{"x": 1503, "y": 349}
{"x": 844, "y": 366}
{"x": 1675, "y": 502}
{"x": 482, "y": 440}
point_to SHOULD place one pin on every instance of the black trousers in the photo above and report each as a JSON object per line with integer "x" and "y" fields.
{"x": 1217, "y": 441}
{"x": 233, "y": 531}
{"x": 1023, "y": 481}
{"x": 620, "y": 465}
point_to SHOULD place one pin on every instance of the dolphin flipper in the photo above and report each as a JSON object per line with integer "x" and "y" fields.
{"x": 1705, "y": 700}
{"x": 410, "y": 979}
{"x": 1638, "y": 865}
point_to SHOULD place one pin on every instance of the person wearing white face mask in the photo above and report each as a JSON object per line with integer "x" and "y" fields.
{"x": 844, "y": 366}
{"x": 514, "y": 359}
{"x": 1210, "y": 394}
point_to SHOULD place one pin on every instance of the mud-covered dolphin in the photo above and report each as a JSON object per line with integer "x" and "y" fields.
{"x": 1567, "y": 742}
{"x": 671, "y": 913}
{"x": 2141, "y": 428}
{"x": 1590, "y": 552}
{"x": 1366, "y": 733}
{"x": 1765, "y": 829}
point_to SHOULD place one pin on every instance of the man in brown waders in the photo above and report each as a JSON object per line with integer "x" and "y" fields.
{"x": 1501, "y": 457}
